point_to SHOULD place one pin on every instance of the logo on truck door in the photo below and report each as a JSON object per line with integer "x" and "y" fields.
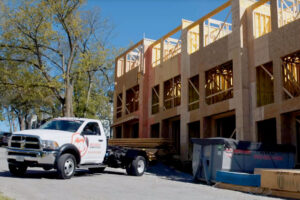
{"x": 81, "y": 143}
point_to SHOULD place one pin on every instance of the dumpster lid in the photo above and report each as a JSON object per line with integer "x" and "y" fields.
{"x": 216, "y": 140}
{"x": 245, "y": 145}
{"x": 257, "y": 146}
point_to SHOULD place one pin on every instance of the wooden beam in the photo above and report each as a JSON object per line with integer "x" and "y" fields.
{"x": 267, "y": 71}
{"x": 193, "y": 86}
{"x": 214, "y": 12}
{"x": 218, "y": 93}
{"x": 257, "y": 4}
{"x": 130, "y": 49}
{"x": 175, "y": 30}
{"x": 288, "y": 93}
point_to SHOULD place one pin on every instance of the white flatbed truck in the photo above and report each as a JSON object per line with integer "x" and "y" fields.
{"x": 65, "y": 144}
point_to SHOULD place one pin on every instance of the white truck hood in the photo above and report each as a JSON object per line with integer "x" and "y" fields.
{"x": 47, "y": 134}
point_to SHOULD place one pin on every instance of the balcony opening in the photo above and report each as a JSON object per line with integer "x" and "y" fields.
{"x": 291, "y": 75}
{"x": 131, "y": 129}
{"x": 194, "y": 132}
{"x": 119, "y": 105}
{"x": 262, "y": 20}
{"x": 172, "y": 92}
{"x": 118, "y": 132}
{"x": 220, "y": 125}
{"x": 155, "y": 100}
{"x": 266, "y": 131}
{"x": 132, "y": 99}
{"x": 193, "y": 93}
{"x": 219, "y": 83}
{"x": 154, "y": 130}
{"x": 226, "y": 127}
{"x": 171, "y": 129}
{"x": 264, "y": 84}
{"x": 288, "y": 11}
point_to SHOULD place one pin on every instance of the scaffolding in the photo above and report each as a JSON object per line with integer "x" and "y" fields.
{"x": 219, "y": 83}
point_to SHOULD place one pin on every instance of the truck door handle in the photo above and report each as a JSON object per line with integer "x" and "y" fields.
{"x": 100, "y": 140}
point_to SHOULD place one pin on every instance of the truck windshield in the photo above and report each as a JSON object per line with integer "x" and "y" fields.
{"x": 63, "y": 125}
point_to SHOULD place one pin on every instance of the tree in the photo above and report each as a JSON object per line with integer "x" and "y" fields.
{"x": 62, "y": 46}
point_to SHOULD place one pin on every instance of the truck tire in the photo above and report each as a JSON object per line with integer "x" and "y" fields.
{"x": 66, "y": 166}
{"x": 97, "y": 170}
{"x": 137, "y": 167}
{"x": 17, "y": 170}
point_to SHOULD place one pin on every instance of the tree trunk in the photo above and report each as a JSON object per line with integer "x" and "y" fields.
{"x": 68, "y": 104}
{"x": 22, "y": 124}
{"x": 88, "y": 95}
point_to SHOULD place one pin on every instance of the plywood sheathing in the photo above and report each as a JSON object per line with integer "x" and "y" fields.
{"x": 246, "y": 53}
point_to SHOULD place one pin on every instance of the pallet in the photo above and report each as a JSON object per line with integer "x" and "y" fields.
{"x": 259, "y": 190}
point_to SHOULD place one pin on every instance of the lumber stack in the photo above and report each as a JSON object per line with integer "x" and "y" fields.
{"x": 141, "y": 142}
{"x": 152, "y": 146}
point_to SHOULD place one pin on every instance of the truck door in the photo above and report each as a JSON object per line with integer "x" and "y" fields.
{"x": 96, "y": 143}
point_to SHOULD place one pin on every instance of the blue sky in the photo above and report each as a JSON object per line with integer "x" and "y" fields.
{"x": 153, "y": 18}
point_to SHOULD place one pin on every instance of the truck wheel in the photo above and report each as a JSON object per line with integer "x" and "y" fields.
{"x": 137, "y": 166}
{"x": 66, "y": 166}
{"x": 97, "y": 170}
{"x": 17, "y": 170}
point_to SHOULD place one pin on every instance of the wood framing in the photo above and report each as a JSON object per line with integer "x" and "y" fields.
{"x": 234, "y": 78}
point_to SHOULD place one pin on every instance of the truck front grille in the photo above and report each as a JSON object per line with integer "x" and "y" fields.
{"x": 25, "y": 142}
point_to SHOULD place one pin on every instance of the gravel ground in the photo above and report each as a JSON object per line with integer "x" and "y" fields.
{"x": 160, "y": 182}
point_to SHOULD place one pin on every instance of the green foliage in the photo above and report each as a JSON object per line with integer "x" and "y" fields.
{"x": 55, "y": 59}
{"x": 4, "y": 197}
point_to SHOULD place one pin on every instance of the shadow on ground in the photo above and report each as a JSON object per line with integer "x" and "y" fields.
{"x": 40, "y": 174}
{"x": 158, "y": 169}
{"x": 168, "y": 173}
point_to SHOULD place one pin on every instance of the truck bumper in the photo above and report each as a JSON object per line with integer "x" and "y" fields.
{"x": 31, "y": 158}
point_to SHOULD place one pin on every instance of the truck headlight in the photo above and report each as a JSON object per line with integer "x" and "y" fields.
{"x": 49, "y": 144}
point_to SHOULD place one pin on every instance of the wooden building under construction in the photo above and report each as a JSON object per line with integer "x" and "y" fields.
{"x": 238, "y": 78}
